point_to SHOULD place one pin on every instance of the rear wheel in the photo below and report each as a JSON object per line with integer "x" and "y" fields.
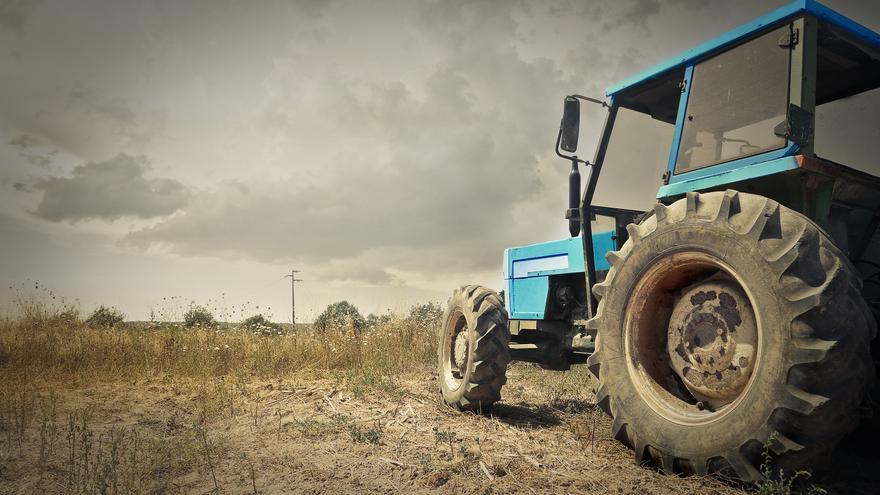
{"x": 473, "y": 349}
{"x": 729, "y": 323}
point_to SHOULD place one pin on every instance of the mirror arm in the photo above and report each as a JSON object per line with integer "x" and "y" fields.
{"x": 591, "y": 100}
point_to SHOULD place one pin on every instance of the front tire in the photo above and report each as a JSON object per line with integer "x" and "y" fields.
{"x": 728, "y": 324}
{"x": 473, "y": 349}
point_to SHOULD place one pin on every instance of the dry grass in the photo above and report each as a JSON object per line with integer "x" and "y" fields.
{"x": 165, "y": 409}
{"x": 47, "y": 356}
{"x": 55, "y": 346}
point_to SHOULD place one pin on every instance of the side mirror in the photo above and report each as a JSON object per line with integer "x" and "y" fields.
{"x": 569, "y": 129}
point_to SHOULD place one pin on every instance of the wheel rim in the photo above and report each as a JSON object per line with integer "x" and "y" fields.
{"x": 455, "y": 350}
{"x": 692, "y": 337}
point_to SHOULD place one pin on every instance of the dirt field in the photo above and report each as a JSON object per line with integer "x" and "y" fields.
{"x": 320, "y": 436}
{"x": 303, "y": 435}
{"x": 171, "y": 410}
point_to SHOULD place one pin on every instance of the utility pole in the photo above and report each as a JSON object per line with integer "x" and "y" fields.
{"x": 293, "y": 281}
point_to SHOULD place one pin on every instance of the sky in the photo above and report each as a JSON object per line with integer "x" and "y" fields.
{"x": 157, "y": 153}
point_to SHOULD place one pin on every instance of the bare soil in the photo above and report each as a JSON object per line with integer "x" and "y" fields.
{"x": 304, "y": 434}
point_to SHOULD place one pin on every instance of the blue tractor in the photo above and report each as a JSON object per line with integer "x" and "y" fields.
{"x": 737, "y": 315}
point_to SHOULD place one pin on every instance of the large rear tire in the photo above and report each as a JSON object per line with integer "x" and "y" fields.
{"x": 473, "y": 349}
{"x": 728, "y": 324}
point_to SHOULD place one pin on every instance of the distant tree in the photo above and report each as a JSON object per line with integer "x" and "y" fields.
{"x": 105, "y": 317}
{"x": 198, "y": 316}
{"x": 261, "y": 324}
{"x": 426, "y": 316}
{"x": 342, "y": 314}
{"x": 373, "y": 320}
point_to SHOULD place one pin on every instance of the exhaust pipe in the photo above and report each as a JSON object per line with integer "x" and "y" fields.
{"x": 574, "y": 197}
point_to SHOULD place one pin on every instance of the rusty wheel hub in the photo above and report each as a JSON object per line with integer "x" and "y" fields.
{"x": 712, "y": 340}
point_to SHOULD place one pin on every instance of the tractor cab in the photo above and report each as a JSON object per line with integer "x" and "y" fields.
{"x": 748, "y": 104}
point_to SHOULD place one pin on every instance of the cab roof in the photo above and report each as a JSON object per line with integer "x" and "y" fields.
{"x": 745, "y": 31}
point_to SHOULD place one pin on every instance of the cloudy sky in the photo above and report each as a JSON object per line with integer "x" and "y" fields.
{"x": 389, "y": 150}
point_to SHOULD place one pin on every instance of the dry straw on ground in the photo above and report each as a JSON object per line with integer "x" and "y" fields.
{"x": 157, "y": 409}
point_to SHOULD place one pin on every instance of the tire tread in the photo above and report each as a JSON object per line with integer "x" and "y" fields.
{"x": 830, "y": 368}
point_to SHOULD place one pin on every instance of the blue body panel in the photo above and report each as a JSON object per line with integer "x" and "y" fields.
{"x": 746, "y": 30}
{"x": 527, "y": 271}
{"x": 749, "y": 167}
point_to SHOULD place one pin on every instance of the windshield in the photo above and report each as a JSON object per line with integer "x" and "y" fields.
{"x": 848, "y": 130}
{"x": 635, "y": 161}
{"x": 735, "y": 101}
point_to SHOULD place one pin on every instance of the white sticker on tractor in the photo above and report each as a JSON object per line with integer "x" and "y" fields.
{"x": 525, "y": 268}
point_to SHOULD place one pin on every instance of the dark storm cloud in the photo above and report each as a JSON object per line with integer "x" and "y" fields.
{"x": 361, "y": 272}
{"x": 638, "y": 12}
{"x": 459, "y": 156}
{"x": 310, "y": 8}
{"x": 139, "y": 128}
{"x": 38, "y": 160}
{"x": 108, "y": 191}
{"x": 459, "y": 160}
{"x": 14, "y": 14}
{"x": 693, "y": 4}
{"x": 113, "y": 108}
{"x": 24, "y": 141}
{"x": 31, "y": 149}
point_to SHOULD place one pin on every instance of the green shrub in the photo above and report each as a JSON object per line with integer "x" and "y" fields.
{"x": 104, "y": 317}
{"x": 342, "y": 314}
{"x": 426, "y": 316}
{"x": 373, "y": 320}
{"x": 360, "y": 435}
{"x": 259, "y": 324}
{"x": 69, "y": 316}
{"x": 198, "y": 317}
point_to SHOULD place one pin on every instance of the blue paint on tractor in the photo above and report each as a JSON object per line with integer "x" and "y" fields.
{"x": 679, "y": 122}
{"x": 745, "y": 31}
{"x": 749, "y": 167}
{"x": 527, "y": 271}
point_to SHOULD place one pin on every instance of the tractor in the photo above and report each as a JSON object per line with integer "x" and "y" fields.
{"x": 737, "y": 316}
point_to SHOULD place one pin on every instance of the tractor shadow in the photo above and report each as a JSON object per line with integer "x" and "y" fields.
{"x": 854, "y": 467}
{"x": 533, "y": 416}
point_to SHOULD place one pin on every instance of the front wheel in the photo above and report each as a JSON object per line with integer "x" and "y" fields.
{"x": 729, "y": 324}
{"x": 473, "y": 349}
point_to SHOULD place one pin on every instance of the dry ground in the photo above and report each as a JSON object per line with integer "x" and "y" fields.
{"x": 198, "y": 411}
{"x": 303, "y": 434}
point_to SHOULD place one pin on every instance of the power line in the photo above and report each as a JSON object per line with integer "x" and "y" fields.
{"x": 293, "y": 281}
